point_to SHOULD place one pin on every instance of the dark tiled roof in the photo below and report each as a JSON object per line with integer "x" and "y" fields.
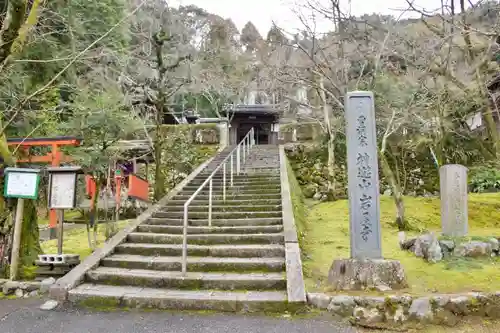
{"x": 254, "y": 108}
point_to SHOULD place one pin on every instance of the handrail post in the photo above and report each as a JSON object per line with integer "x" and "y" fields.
{"x": 232, "y": 167}
{"x": 238, "y": 165}
{"x": 248, "y": 146}
{"x": 210, "y": 203}
{"x": 243, "y": 148}
{"x": 184, "y": 240}
{"x": 224, "y": 182}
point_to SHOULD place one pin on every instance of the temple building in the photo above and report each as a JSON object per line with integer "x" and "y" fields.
{"x": 264, "y": 118}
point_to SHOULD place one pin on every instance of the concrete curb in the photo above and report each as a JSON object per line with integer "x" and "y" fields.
{"x": 294, "y": 277}
{"x": 59, "y": 291}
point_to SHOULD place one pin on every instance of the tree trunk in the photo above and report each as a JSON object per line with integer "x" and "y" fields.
{"x": 94, "y": 215}
{"x": 397, "y": 194}
{"x": 15, "y": 33}
{"x": 159, "y": 187}
{"x": 331, "y": 141}
{"x": 331, "y": 167}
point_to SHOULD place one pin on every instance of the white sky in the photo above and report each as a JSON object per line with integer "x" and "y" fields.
{"x": 263, "y": 12}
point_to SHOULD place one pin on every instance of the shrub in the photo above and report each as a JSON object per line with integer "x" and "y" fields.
{"x": 484, "y": 179}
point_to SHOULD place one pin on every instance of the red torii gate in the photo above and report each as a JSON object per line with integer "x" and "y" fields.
{"x": 55, "y": 157}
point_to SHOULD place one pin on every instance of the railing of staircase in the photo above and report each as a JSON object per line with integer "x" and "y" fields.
{"x": 240, "y": 153}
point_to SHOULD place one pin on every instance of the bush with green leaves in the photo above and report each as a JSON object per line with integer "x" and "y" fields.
{"x": 484, "y": 179}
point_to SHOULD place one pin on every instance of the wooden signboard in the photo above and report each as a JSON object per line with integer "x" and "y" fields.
{"x": 21, "y": 183}
{"x": 62, "y": 187}
{"x": 62, "y": 191}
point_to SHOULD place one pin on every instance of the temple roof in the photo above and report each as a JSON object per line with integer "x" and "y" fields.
{"x": 264, "y": 109}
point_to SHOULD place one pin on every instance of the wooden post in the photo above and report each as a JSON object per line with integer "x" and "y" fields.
{"x": 60, "y": 217}
{"x": 18, "y": 227}
{"x": 134, "y": 166}
{"x": 53, "y": 215}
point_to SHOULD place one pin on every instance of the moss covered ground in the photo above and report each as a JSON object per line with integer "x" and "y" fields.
{"x": 326, "y": 238}
{"x": 75, "y": 240}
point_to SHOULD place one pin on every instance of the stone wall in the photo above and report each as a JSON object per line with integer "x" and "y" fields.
{"x": 406, "y": 310}
{"x": 25, "y": 289}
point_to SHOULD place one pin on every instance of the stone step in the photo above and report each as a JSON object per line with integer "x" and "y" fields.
{"x": 231, "y": 202}
{"x": 219, "y": 187}
{"x": 245, "y": 177}
{"x": 168, "y": 229}
{"x": 237, "y": 182}
{"x": 222, "y": 208}
{"x": 192, "y": 280}
{"x": 239, "y": 196}
{"x": 195, "y": 264}
{"x": 217, "y": 215}
{"x": 216, "y": 222}
{"x": 138, "y": 297}
{"x": 223, "y": 251}
{"x": 230, "y": 192}
{"x": 206, "y": 239}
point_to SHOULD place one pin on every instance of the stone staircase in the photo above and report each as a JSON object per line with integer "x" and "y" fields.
{"x": 263, "y": 159}
{"x": 238, "y": 264}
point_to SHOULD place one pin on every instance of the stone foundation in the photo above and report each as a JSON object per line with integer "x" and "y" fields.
{"x": 407, "y": 311}
{"x": 375, "y": 274}
{"x": 25, "y": 289}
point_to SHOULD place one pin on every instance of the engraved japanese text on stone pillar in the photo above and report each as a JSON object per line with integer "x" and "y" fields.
{"x": 362, "y": 162}
{"x": 454, "y": 210}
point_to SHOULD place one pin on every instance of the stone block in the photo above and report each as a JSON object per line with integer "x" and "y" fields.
{"x": 495, "y": 244}
{"x": 318, "y": 300}
{"x": 49, "y": 305}
{"x": 342, "y": 305}
{"x": 361, "y": 274}
{"x": 427, "y": 247}
{"x": 421, "y": 310}
{"x": 367, "y": 317}
{"x": 46, "y": 284}
{"x": 294, "y": 277}
{"x": 473, "y": 249}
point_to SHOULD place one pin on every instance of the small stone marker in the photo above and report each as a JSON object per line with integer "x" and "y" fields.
{"x": 454, "y": 212}
{"x": 362, "y": 165}
{"x": 366, "y": 269}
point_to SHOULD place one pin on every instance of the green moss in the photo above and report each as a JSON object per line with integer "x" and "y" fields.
{"x": 390, "y": 306}
{"x": 30, "y": 240}
{"x": 100, "y": 303}
{"x": 298, "y": 201}
{"x": 327, "y": 230}
{"x": 75, "y": 241}
{"x": 3, "y": 296}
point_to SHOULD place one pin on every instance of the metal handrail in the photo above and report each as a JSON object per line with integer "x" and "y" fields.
{"x": 242, "y": 149}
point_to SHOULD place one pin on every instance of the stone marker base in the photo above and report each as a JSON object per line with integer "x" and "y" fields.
{"x": 362, "y": 274}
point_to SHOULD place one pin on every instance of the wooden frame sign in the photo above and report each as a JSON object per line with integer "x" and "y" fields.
{"x": 62, "y": 187}
{"x": 21, "y": 183}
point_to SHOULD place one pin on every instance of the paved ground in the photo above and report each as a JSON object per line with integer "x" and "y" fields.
{"x": 23, "y": 316}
